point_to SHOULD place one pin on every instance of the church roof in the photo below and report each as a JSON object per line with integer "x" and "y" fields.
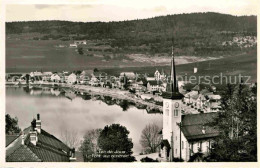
{"x": 194, "y": 126}
{"x": 166, "y": 143}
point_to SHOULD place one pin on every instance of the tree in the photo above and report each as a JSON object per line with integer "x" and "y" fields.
{"x": 147, "y": 159}
{"x": 96, "y": 70}
{"x": 11, "y": 125}
{"x": 114, "y": 140}
{"x": 125, "y": 104}
{"x": 80, "y": 50}
{"x": 89, "y": 145}
{"x": 125, "y": 81}
{"x": 150, "y": 138}
{"x": 237, "y": 125}
{"x": 70, "y": 138}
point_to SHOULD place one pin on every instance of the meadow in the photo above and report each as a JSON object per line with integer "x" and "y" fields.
{"x": 44, "y": 55}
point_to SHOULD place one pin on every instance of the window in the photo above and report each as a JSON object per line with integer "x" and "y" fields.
{"x": 176, "y": 151}
{"x": 176, "y": 111}
{"x": 167, "y": 112}
{"x": 182, "y": 144}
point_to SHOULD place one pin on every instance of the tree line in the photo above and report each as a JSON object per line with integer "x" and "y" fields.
{"x": 196, "y": 33}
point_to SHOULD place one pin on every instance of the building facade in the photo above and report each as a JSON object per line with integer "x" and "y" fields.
{"x": 183, "y": 134}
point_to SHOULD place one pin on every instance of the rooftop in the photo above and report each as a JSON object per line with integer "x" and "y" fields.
{"x": 194, "y": 126}
{"x": 47, "y": 149}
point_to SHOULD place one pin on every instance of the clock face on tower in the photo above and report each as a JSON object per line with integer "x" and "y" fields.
{"x": 176, "y": 105}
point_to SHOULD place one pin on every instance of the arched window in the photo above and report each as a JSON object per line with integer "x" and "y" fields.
{"x": 176, "y": 112}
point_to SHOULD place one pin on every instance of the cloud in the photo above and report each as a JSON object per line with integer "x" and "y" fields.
{"x": 118, "y": 10}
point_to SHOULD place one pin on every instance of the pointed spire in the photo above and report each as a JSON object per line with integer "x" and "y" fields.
{"x": 172, "y": 90}
{"x": 173, "y": 75}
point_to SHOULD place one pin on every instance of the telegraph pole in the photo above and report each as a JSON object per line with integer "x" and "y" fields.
{"x": 172, "y": 150}
{"x": 180, "y": 124}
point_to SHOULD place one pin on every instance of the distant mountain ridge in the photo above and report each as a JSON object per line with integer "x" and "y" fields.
{"x": 194, "y": 34}
{"x": 210, "y": 20}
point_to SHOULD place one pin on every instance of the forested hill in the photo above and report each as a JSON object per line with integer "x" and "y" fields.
{"x": 196, "y": 33}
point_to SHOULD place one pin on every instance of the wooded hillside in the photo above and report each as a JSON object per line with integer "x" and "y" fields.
{"x": 194, "y": 34}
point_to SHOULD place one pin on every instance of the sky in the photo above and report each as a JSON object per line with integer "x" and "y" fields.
{"x": 119, "y": 10}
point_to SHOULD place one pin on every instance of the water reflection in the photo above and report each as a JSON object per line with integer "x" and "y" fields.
{"x": 70, "y": 94}
{"x": 63, "y": 109}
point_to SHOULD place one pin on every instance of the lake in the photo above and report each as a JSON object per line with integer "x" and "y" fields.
{"x": 76, "y": 113}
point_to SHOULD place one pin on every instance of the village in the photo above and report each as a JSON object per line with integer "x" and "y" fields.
{"x": 141, "y": 88}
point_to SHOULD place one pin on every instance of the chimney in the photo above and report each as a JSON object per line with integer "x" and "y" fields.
{"x": 72, "y": 155}
{"x": 38, "y": 124}
{"x": 203, "y": 130}
{"x": 33, "y": 133}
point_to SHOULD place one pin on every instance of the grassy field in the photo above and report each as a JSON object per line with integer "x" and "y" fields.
{"x": 25, "y": 55}
{"x": 32, "y": 55}
{"x": 244, "y": 64}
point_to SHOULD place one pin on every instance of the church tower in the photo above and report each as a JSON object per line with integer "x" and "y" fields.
{"x": 172, "y": 102}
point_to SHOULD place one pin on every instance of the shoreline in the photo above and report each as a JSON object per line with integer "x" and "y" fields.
{"x": 114, "y": 93}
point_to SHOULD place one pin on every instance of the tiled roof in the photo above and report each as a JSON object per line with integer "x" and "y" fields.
{"x": 193, "y": 94}
{"x": 193, "y": 124}
{"x": 99, "y": 74}
{"x": 204, "y": 91}
{"x": 155, "y": 82}
{"x": 9, "y": 139}
{"x": 23, "y": 154}
{"x": 47, "y": 149}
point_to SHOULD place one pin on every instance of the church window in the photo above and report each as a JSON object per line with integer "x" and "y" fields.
{"x": 167, "y": 112}
{"x": 176, "y": 112}
{"x": 176, "y": 151}
{"x": 182, "y": 144}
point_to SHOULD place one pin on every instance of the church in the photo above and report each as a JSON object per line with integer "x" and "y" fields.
{"x": 183, "y": 134}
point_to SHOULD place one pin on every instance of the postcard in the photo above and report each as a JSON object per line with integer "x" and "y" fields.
{"x": 163, "y": 82}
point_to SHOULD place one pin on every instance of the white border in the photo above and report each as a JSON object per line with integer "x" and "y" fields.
{"x": 76, "y": 164}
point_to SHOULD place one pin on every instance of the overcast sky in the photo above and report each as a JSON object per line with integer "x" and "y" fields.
{"x": 118, "y": 10}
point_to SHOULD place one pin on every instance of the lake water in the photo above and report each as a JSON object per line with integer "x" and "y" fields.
{"x": 74, "y": 113}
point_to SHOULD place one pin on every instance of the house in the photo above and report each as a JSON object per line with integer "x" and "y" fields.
{"x": 159, "y": 75}
{"x": 35, "y": 144}
{"x": 55, "y": 78}
{"x": 46, "y": 76}
{"x": 72, "y": 78}
{"x": 184, "y": 135}
{"x": 62, "y": 77}
{"x": 73, "y": 45}
{"x": 191, "y": 98}
{"x": 138, "y": 85}
{"x": 154, "y": 85}
{"x": 129, "y": 75}
{"x": 66, "y": 75}
{"x": 213, "y": 103}
{"x": 78, "y": 42}
{"x": 36, "y": 76}
{"x": 33, "y": 74}
{"x": 96, "y": 78}
{"x": 85, "y": 76}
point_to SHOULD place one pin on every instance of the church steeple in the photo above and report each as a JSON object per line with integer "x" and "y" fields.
{"x": 172, "y": 90}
